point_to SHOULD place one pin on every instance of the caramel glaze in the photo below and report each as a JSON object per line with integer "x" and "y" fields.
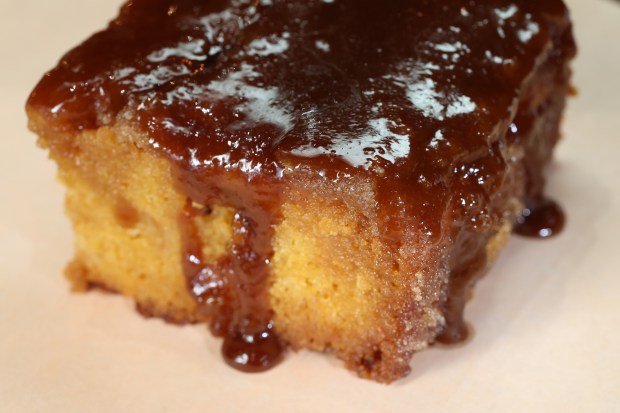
{"x": 419, "y": 97}
{"x": 541, "y": 218}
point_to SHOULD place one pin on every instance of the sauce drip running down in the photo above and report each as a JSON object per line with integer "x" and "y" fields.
{"x": 416, "y": 97}
{"x": 542, "y": 218}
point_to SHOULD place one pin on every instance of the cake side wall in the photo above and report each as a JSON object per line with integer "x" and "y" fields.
{"x": 123, "y": 210}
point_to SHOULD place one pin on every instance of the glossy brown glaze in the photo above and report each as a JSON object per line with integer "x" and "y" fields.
{"x": 418, "y": 97}
{"x": 542, "y": 218}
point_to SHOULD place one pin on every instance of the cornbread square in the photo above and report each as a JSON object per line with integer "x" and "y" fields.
{"x": 328, "y": 175}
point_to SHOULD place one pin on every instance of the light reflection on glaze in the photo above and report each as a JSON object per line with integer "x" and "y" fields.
{"x": 257, "y": 104}
{"x": 423, "y": 92}
{"x": 193, "y": 50}
{"x": 268, "y": 46}
{"x": 531, "y": 29}
{"x": 362, "y": 149}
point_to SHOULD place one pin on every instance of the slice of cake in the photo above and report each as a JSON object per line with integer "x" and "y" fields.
{"x": 330, "y": 175}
